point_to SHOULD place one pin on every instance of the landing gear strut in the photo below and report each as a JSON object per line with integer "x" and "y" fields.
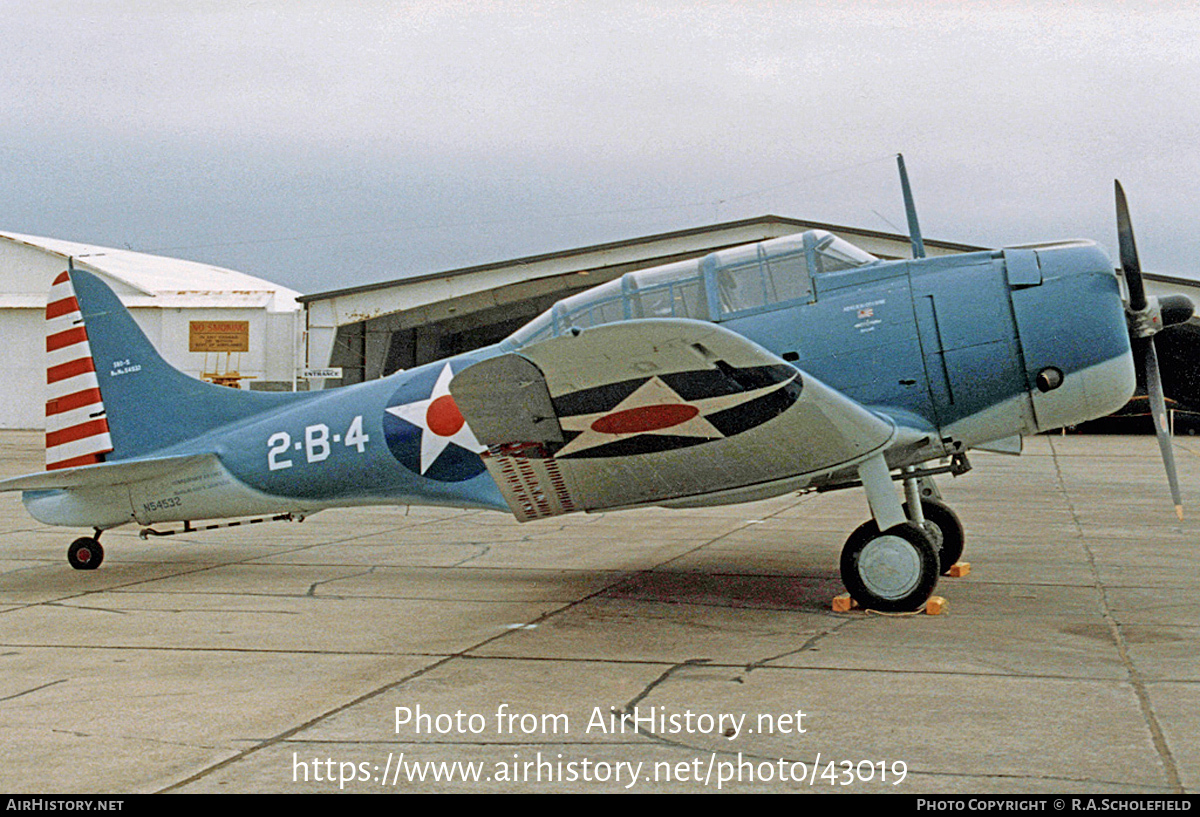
{"x": 945, "y": 529}
{"x": 85, "y": 553}
{"x": 923, "y": 505}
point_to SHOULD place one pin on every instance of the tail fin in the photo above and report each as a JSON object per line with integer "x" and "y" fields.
{"x": 112, "y": 396}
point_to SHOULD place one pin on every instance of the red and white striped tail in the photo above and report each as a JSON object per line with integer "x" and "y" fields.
{"x": 76, "y": 428}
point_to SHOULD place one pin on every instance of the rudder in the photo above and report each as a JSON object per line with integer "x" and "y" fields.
{"x": 76, "y": 426}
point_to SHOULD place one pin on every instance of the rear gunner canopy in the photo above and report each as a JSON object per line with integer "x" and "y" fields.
{"x": 732, "y": 281}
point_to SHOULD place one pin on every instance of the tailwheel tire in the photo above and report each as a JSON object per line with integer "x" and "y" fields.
{"x": 892, "y": 572}
{"x": 945, "y": 529}
{"x": 85, "y": 554}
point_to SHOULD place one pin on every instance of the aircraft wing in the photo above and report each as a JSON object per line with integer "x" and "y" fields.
{"x": 103, "y": 474}
{"x": 655, "y": 412}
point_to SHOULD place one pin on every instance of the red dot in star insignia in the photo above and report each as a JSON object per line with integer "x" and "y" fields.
{"x": 443, "y": 417}
{"x": 645, "y": 418}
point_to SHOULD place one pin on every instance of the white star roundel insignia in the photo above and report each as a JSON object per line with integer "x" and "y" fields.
{"x": 426, "y": 432}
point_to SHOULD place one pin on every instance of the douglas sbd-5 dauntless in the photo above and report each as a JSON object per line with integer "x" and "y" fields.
{"x": 792, "y": 364}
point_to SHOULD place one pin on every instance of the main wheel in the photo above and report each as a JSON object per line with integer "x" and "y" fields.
{"x": 945, "y": 529}
{"x": 85, "y": 554}
{"x": 892, "y": 572}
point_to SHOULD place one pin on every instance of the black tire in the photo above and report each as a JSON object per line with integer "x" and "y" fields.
{"x": 85, "y": 554}
{"x": 892, "y": 572}
{"x": 948, "y": 534}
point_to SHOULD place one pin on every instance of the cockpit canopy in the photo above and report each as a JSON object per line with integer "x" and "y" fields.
{"x": 722, "y": 284}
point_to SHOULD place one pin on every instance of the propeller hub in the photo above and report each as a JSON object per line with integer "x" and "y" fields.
{"x": 1145, "y": 322}
{"x": 1157, "y": 314}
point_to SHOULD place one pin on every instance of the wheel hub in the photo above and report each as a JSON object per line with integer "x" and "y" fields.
{"x": 890, "y": 567}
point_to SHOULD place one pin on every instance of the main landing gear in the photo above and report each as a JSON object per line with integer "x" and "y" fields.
{"x": 891, "y": 563}
{"x": 85, "y": 553}
{"x": 944, "y": 528}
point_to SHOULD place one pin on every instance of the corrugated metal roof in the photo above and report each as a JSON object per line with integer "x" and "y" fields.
{"x": 168, "y": 281}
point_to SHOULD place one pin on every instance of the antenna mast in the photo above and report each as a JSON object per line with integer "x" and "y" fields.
{"x": 910, "y": 209}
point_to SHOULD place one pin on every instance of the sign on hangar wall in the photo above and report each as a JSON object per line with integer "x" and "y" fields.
{"x": 218, "y": 336}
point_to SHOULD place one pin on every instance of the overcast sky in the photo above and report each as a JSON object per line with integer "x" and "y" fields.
{"x": 328, "y": 144}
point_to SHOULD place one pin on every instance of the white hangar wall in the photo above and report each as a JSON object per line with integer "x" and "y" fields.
{"x": 163, "y": 295}
{"x": 19, "y": 372}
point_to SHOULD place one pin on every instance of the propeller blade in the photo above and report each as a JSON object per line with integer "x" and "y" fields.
{"x": 1147, "y": 356}
{"x": 1158, "y": 411}
{"x": 1129, "y": 256}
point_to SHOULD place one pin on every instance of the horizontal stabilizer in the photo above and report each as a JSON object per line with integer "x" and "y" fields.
{"x": 104, "y": 474}
{"x": 646, "y": 411}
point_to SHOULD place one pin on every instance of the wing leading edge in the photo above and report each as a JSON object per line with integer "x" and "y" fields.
{"x": 652, "y": 412}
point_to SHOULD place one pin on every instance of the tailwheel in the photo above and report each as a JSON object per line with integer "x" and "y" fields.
{"x": 85, "y": 553}
{"x": 892, "y": 572}
{"x": 945, "y": 529}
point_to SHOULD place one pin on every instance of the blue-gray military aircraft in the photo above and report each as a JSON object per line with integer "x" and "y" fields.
{"x": 798, "y": 363}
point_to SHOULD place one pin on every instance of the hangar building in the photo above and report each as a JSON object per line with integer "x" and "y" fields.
{"x": 170, "y": 299}
{"x": 371, "y": 331}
